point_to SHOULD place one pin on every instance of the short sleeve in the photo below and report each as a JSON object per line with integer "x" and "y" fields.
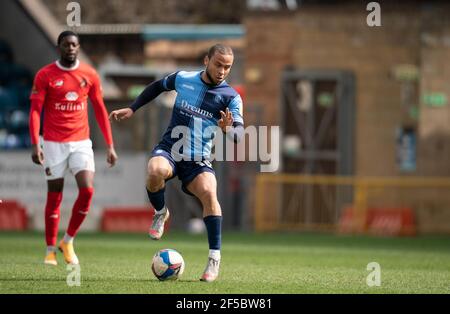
{"x": 169, "y": 81}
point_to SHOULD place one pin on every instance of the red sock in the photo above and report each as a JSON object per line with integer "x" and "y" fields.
{"x": 52, "y": 217}
{"x": 80, "y": 210}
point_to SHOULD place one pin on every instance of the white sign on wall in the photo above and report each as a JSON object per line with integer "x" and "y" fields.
{"x": 122, "y": 185}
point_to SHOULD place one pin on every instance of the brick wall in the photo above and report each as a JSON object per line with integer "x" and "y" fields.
{"x": 434, "y": 121}
{"x": 269, "y": 49}
{"x": 337, "y": 37}
{"x": 331, "y": 37}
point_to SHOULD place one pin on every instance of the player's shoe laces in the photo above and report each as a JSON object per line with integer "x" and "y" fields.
{"x": 157, "y": 228}
{"x": 212, "y": 270}
{"x": 50, "y": 259}
{"x": 69, "y": 254}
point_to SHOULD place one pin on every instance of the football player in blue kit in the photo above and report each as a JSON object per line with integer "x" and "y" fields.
{"x": 204, "y": 102}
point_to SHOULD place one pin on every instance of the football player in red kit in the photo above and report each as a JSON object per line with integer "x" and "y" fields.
{"x": 61, "y": 91}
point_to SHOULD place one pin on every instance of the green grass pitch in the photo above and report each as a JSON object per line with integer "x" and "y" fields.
{"x": 251, "y": 264}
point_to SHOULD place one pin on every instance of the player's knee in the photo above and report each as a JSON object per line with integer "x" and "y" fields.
{"x": 85, "y": 197}
{"x": 207, "y": 195}
{"x": 156, "y": 172}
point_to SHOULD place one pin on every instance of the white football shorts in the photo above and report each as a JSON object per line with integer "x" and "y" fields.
{"x": 75, "y": 156}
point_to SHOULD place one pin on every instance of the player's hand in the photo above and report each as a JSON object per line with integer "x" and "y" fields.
{"x": 121, "y": 114}
{"x": 225, "y": 120}
{"x": 111, "y": 157}
{"x": 37, "y": 155}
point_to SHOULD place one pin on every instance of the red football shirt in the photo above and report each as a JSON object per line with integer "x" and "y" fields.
{"x": 63, "y": 93}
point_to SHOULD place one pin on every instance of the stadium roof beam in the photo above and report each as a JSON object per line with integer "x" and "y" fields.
{"x": 110, "y": 29}
{"x": 166, "y": 31}
{"x": 192, "y": 32}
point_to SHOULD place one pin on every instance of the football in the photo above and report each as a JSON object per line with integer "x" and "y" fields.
{"x": 167, "y": 264}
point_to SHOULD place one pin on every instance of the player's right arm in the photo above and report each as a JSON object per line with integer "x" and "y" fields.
{"x": 37, "y": 98}
{"x": 148, "y": 94}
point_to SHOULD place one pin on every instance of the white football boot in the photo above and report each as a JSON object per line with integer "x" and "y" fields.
{"x": 212, "y": 270}
{"x": 157, "y": 228}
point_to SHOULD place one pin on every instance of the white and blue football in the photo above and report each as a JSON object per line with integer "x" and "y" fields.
{"x": 167, "y": 264}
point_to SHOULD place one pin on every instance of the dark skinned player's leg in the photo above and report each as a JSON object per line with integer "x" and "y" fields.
{"x": 52, "y": 213}
{"x": 85, "y": 183}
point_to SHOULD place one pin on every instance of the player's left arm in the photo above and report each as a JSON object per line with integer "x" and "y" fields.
{"x": 101, "y": 115}
{"x": 232, "y": 121}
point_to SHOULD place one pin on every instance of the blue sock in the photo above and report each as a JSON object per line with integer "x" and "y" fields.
{"x": 157, "y": 198}
{"x": 214, "y": 228}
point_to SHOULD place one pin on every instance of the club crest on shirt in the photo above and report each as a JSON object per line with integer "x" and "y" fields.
{"x": 83, "y": 83}
{"x": 71, "y": 96}
{"x": 218, "y": 99}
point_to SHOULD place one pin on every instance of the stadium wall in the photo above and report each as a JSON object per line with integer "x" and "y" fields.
{"x": 119, "y": 188}
{"x": 336, "y": 37}
{"x": 121, "y": 185}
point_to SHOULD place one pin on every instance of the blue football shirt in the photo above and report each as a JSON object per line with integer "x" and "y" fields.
{"x": 197, "y": 111}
